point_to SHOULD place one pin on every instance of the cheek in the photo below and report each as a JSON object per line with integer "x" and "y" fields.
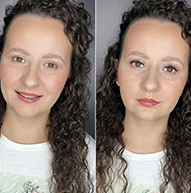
{"x": 8, "y": 74}
{"x": 127, "y": 81}
{"x": 173, "y": 92}
{"x": 4, "y": 71}
{"x": 122, "y": 77}
{"x": 128, "y": 84}
{"x": 55, "y": 84}
{"x": 178, "y": 86}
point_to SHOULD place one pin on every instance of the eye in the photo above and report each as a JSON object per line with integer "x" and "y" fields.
{"x": 170, "y": 69}
{"x": 50, "y": 65}
{"x": 18, "y": 59}
{"x": 137, "y": 64}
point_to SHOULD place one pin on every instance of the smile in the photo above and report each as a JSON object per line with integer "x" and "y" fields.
{"x": 31, "y": 97}
{"x": 28, "y": 97}
{"x": 148, "y": 102}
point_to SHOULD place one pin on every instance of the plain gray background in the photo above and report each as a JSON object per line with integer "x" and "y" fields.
{"x": 90, "y": 7}
{"x": 108, "y": 18}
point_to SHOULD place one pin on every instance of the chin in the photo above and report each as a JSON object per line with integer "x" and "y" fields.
{"x": 27, "y": 112}
{"x": 148, "y": 117}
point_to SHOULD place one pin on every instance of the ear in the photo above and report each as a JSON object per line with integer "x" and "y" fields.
{"x": 116, "y": 68}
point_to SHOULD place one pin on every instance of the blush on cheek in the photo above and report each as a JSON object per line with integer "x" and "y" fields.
{"x": 128, "y": 80}
{"x": 121, "y": 77}
{"x": 57, "y": 83}
{"x": 177, "y": 88}
{"x": 8, "y": 74}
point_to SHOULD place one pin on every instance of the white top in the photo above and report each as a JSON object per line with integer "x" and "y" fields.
{"x": 27, "y": 168}
{"x": 144, "y": 173}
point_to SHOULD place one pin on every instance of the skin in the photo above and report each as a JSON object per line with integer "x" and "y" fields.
{"x": 153, "y": 65}
{"x": 36, "y": 59}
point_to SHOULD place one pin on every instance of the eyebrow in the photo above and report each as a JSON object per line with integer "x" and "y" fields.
{"x": 172, "y": 59}
{"x": 165, "y": 59}
{"x": 49, "y": 55}
{"x": 56, "y": 56}
{"x": 20, "y": 50}
{"x": 136, "y": 53}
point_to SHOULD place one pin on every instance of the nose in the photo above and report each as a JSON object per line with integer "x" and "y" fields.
{"x": 31, "y": 76}
{"x": 151, "y": 81}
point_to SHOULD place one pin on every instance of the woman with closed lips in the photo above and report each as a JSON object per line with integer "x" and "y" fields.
{"x": 143, "y": 143}
{"x": 44, "y": 70}
{"x": 147, "y": 102}
{"x": 153, "y": 77}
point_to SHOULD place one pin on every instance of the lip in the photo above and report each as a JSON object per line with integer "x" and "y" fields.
{"x": 28, "y": 97}
{"x": 147, "y": 102}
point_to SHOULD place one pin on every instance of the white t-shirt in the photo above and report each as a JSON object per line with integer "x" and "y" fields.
{"x": 27, "y": 168}
{"x": 144, "y": 173}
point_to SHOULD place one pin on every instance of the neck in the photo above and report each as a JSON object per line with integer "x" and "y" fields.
{"x": 24, "y": 130}
{"x": 142, "y": 136}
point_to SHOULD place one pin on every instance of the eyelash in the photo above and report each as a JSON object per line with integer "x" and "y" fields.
{"x": 55, "y": 66}
{"x": 15, "y": 58}
{"x": 134, "y": 62}
{"x": 172, "y": 67}
{"x": 141, "y": 65}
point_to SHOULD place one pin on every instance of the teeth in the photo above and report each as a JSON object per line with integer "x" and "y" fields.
{"x": 31, "y": 97}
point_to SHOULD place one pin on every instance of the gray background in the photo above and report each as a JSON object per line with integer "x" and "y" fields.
{"x": 90, "y": 6}
{"x": 108, "y": 18}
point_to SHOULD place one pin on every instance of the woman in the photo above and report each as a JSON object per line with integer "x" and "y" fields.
{"x": 44, "y": 70}
{"x": 143, "y": 102}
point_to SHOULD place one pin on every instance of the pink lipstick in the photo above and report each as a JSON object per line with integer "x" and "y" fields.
{"x": 148, "y": 102}
{"x": 28, "y": 97}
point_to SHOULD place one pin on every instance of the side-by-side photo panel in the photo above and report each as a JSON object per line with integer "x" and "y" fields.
{"x": 47, "y": 96}
{"x": 143, "y": 112}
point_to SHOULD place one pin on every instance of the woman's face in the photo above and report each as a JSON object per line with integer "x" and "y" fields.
{"x": 153, "y": 69}
{"x": 35, "y": 65}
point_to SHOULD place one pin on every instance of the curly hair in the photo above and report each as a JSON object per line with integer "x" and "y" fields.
{"x": 67, "y": 118}
{"x": 176, "y": 168}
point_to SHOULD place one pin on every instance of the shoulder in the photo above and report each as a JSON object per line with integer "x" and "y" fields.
{"x": 91, "y": 155}
{"x": 91, "y": 149}
{"x": 90, "y": 142}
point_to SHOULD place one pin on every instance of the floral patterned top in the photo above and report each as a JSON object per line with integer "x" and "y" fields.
{"x": 27, "y": 168}
{"x": 14, "y": 183}
{"x": 24, "y": 168}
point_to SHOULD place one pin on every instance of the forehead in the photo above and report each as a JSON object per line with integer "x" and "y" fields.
{"x": 30, "y": 21}
{"x": 32, "y": 25}
{"x": 152, "y": 34}
{"x": 145, "y": 28}
{"x": 46, "y": 34}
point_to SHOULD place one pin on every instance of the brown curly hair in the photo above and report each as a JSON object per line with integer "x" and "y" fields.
{"x": 111, "y": 110}
{"x": 67, "y": 119}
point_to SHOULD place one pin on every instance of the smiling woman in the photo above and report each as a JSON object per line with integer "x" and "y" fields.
{"x": 44, "y": 69}
{"x": 143, "y": 102}
{"x": 40, "y": 76}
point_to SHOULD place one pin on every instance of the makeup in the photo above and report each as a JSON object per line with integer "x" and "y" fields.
{"x": 28, "y": 97}
{"x": 148, "y": 102}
